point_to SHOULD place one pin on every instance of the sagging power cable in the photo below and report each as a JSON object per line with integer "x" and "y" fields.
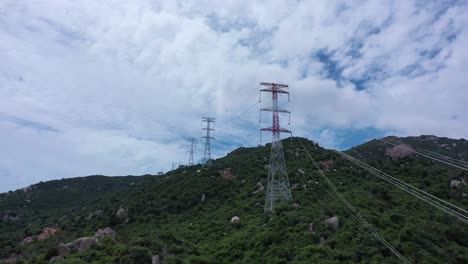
{"x": 353, "y": 211}
{"x": 430, "y": 199}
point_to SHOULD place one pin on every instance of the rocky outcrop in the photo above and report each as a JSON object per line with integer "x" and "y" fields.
{"x": 63, "y": 250}
{"x": 46, "y": 233}
{"x": 332, "y": 223}
{"x": 10, "y": 217}
{"x": 105, "y": 233}
{"x": 399, "y": 152}
{"x": 326, "y": 164}
{"x": 86, "y": 243}
{"x": 227, "y": 175}
{"x": 83, "y": 244}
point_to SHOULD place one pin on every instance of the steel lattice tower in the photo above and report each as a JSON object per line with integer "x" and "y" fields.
{"x": 278, "y": 183}
{"x": 190, "y": 151}
{"x": 208, "y": 137}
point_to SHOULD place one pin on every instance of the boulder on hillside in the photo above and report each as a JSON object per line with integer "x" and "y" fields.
{"x": 122, "y": 215}
{"x": 81, "y": 244}
{"x": 74, "y": 245}
{"x": 63, "y": 250}
{"x": 55, "y": 259}
{"x": 326, "y": 164}
{"x": 227, "y": 175}
{"x": 455, "y": 184}
{"x": 235, "y": 220}
{"x": 86, "y": 243}
{"x": 333, "y": 223}
{"x": 322, "y": 241}
{"x": 105, "y": 233}
{"x": 155, "y": 259}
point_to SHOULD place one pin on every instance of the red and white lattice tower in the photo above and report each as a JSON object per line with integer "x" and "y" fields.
{"x": 278, "y": 189}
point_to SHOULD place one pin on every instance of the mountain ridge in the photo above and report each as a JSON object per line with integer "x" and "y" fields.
{"x": 184, "y": 215}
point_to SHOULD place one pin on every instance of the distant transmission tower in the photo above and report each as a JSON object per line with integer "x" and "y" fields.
{"x": 190, "y": 151}
{"x": 278, "y": 182}
{"x": 207, "y": 154}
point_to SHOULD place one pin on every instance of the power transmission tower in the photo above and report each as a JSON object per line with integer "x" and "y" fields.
{"x": 190, "y": 151}
{"x": 207, "y": 154}
{"x": 278, "y": 183}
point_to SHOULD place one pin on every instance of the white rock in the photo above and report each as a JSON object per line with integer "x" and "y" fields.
{"x": 55, "y": 259}
{"x": 322, "y": 241}
{"x": 122, "y": 214}
{"x": 155, "y": 259}
{"x": 333, "y": 223}
{"x": 455, "y": 183}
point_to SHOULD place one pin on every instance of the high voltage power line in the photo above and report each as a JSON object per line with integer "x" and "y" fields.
{"x": 431, "y": 155}
{"x": 438, "y": 203}
{"x": 353, "y": 211}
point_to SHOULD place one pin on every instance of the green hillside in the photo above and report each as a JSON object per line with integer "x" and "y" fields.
{"x": 184, "y": 216}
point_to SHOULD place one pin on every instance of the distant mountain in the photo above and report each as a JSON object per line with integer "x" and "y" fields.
{"x": 378, "y": 148}
{"x": 215, "y": 215}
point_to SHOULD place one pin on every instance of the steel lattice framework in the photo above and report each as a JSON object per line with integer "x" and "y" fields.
{"x": 278, "y": 189}
{"x": 207, "y": 154}
{"x": 192, "y": 141}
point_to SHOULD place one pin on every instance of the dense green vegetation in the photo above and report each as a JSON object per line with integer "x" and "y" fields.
{"x": 167, "y": 216}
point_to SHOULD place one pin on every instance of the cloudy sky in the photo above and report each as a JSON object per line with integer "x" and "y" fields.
{"x": 116, "y": 87}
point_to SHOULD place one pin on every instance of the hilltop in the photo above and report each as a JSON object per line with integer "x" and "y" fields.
{"x": 188, "y": 215}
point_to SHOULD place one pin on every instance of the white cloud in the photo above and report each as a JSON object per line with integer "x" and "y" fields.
{"x": 125, "y": 82}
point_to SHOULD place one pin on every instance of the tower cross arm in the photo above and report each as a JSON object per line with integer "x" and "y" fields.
{"x": 274, "y": 84}
{"x": 275, "y": 110}
{"x": 281, "y": 130}
{"x": 274, "y": 91}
